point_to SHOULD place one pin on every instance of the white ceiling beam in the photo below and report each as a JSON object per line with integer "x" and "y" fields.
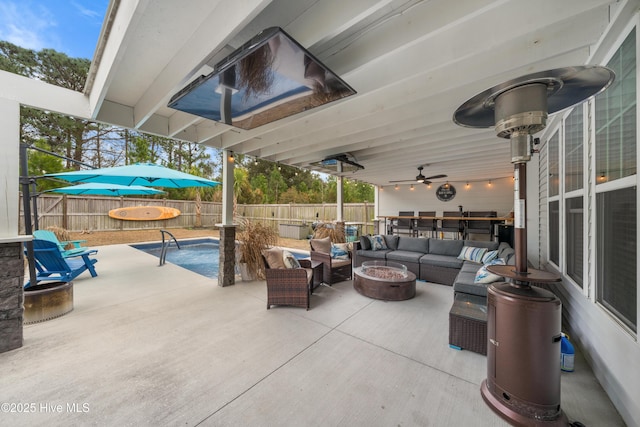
{"x": 43, "y": 96}
{"x": 129, "y": 13}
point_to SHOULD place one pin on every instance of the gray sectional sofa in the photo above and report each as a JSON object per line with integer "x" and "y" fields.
{"x": 433, "y": 260}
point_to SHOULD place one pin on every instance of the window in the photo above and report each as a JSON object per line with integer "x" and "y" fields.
{"x": 616, "y": 198}
{"x": 553, "y": 150}
{"x": 573, "y": 149}
{"x": 554, "y": 232}
{"x": 574, "y": 239}
{"x": 616, "y": 117}
{"x": 617, "y": 254}
{"x": 554, "y": 165}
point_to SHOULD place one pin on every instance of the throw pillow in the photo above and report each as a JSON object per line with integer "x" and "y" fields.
{"x": 289, "y": 260}
{"x": 469, "y": 253}
{"x": 485, "y": 276}
{"x": 321, "y": 245}
{"x": 489, "y": 256}
{"x": 339, "y": 251}
{"x": 377, "y": 243}
{"x": 274, "y": 257}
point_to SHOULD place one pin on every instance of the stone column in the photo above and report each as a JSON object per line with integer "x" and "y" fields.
{"x": 226, "y": 272}
{"x": 11, "y": 295}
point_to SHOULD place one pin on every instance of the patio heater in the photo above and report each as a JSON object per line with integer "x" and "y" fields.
{"x": 524, "y": 322}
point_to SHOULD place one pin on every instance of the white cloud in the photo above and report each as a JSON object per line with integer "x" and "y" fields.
{"x": 89, "y": 13}
{"x": 27, "y": 25}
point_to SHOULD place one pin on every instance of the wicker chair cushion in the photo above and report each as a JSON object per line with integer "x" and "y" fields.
{"x": 335, "y": 263}
{"x": 274, "y": 257}
{"x": 321, "y": 245}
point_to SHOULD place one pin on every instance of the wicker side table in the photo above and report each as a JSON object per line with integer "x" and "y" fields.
{"x": 468, "y": 323}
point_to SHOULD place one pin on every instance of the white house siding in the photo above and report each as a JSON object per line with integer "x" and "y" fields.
{"x": 612, "y": 350}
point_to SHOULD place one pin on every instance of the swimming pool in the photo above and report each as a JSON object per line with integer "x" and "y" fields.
{"x": 198, "y": 255}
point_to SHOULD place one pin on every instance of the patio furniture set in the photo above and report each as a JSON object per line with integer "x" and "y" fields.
{"x": 458, "y": 263}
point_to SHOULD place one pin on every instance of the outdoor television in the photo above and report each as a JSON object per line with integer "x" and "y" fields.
{"x": 268, "y": 78}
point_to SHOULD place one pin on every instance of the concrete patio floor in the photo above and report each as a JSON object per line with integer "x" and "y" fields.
{"x": 148, "y": 345}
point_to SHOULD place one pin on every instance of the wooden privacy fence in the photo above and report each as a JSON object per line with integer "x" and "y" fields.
{"x": 90, "y": 213}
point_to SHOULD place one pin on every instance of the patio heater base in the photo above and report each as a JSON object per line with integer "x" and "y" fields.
{"x": 523, "y": 372}
{"x": 513, "y": 417}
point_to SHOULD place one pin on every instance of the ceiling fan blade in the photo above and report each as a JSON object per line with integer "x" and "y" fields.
{"x": 403, "y": 180}
{"x": 435, "y": 177}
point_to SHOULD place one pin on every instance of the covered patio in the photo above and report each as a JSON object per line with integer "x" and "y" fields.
{"x": 148, "y": 345}
{"x": 145, "y": 346}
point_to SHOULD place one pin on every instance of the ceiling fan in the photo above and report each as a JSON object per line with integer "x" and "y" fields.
{"x": 420, "y": 178}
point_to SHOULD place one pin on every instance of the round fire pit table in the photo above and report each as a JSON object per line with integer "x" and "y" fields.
{"x": 385, "y": 281}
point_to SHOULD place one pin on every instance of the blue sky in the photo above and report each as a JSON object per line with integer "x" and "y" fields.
{"x": 69, "y": 26}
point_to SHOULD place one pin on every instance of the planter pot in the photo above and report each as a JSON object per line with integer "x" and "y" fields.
{"x": 245, "y": 273}
{"x": 47, "y": 301}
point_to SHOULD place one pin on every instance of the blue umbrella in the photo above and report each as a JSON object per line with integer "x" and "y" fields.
{"x": 137, "y": 174}
{"x": 101, "y": 189}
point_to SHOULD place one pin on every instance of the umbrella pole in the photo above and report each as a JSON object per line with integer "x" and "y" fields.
{"x": 26, "y": 201}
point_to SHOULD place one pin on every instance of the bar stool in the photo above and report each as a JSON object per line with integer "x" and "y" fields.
{"x": 429, "y": 225}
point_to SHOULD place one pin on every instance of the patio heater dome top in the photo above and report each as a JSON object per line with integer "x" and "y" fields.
{"x": 522, "y": 104}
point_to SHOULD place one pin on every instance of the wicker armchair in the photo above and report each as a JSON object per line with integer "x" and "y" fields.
{"x": 287, "y": 286}
{"x": 333, "y": 270}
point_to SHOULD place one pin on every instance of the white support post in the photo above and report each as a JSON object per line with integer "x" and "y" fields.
{"x": 227, "y": 187}
{"x": 9, "y": 167}
{"x": 339, "y": 204}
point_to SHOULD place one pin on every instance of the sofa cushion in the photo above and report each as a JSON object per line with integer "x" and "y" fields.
{"x": 471, "y": 253}
{"x": 404, "y": 256}
{"x": 321, "y": 245}
{"x": 441, "y": 261}
{"x": 509, "y": 255}
{"x": 465, "y": 284}
{"x": 392, "y": 241}
{"x": 374, "y": 254}
{"x": 413, "y": 244}
{"x": 365, "y": 243}
{"x": 470, "y": 267}
{"x": 490, "y": 245}
{"x": 445, "y": 247}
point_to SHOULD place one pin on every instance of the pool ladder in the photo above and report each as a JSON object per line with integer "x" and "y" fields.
{"x": 165, "y": 246}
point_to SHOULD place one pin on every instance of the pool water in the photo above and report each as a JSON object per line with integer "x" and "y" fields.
{"x": 198, "y": 255}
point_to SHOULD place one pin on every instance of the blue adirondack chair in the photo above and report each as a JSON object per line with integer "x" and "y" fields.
{"x": 52, "y": 266}
{"x": 66, "y": 253}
